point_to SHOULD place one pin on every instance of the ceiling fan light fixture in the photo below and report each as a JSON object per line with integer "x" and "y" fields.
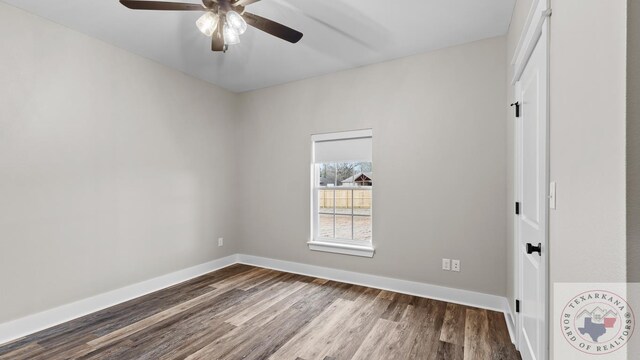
{"x": 208, "y": 23}
{"x": 236, "y": 22}
{"x": 223, "y": 20}
{"x": 231, "y": 36}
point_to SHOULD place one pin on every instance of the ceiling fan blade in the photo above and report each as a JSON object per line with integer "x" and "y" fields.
{"x": 161, "y": 5}
{"x": 217, "y": 40}
{"x": 273, "y": 28}
{"x": 244, "y": 2}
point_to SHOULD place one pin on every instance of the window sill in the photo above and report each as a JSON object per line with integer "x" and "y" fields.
{"x": 346, "y": 249}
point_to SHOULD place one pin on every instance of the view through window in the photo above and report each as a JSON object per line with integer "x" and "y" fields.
{"x": 344, "y": 199}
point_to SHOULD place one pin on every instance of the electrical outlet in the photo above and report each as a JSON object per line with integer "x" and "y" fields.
{"x": 446, "y": 264}
{"x": 220, "y": 241}
{"x": 455, "y": 265}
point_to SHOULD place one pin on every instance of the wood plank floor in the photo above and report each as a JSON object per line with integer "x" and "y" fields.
{"x": 245, "y": 312}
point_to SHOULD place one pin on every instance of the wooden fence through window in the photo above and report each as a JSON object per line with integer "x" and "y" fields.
{"x": 344, "y": 199}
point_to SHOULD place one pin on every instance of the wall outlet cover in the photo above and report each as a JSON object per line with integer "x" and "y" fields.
{"x": 220, "y": 241}
{"x": 446, "y": 264}
{"x": 455, "y": 265}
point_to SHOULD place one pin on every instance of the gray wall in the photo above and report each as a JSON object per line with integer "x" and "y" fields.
{"x": 113, "y": 169}
{"x": 440, "y": 170}
{"x": 633, "y": 141}
{"x": 588, "y": 136}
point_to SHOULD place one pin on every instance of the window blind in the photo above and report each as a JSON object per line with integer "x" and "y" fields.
{"x": 343, "y": 150}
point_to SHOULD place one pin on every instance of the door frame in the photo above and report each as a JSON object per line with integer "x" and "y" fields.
{"x": 536, "y": 25}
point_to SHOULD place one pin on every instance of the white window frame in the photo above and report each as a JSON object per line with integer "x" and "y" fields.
{"x": 339, "y": 246}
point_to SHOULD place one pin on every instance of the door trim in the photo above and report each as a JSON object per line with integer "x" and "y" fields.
{"x": 539, "y": 12}
{"x": 537, "y": 22}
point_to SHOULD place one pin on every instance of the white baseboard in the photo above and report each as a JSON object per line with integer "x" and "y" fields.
{"x": 18, "y": 328}
{"x": 510, "y": 320}
{"x": 457, "y": 296}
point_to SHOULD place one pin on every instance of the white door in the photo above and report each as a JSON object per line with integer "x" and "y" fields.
{"x": 531, "y": 194}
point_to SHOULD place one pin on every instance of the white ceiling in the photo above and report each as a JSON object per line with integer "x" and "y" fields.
{"x": 338, "y": 34}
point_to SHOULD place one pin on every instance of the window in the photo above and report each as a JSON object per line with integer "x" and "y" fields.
{"x": 342, "y": 193}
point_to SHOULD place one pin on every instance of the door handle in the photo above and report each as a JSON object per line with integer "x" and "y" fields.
{"x": 531, "y": 249}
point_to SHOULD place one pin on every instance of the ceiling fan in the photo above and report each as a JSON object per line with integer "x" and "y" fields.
{"x": 224, "y": 20}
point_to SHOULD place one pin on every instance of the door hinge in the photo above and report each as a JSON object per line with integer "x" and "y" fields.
{"x": 517, "y": 208}
{"x": 517, "y": 105}
{"x": 517, "y": 306}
